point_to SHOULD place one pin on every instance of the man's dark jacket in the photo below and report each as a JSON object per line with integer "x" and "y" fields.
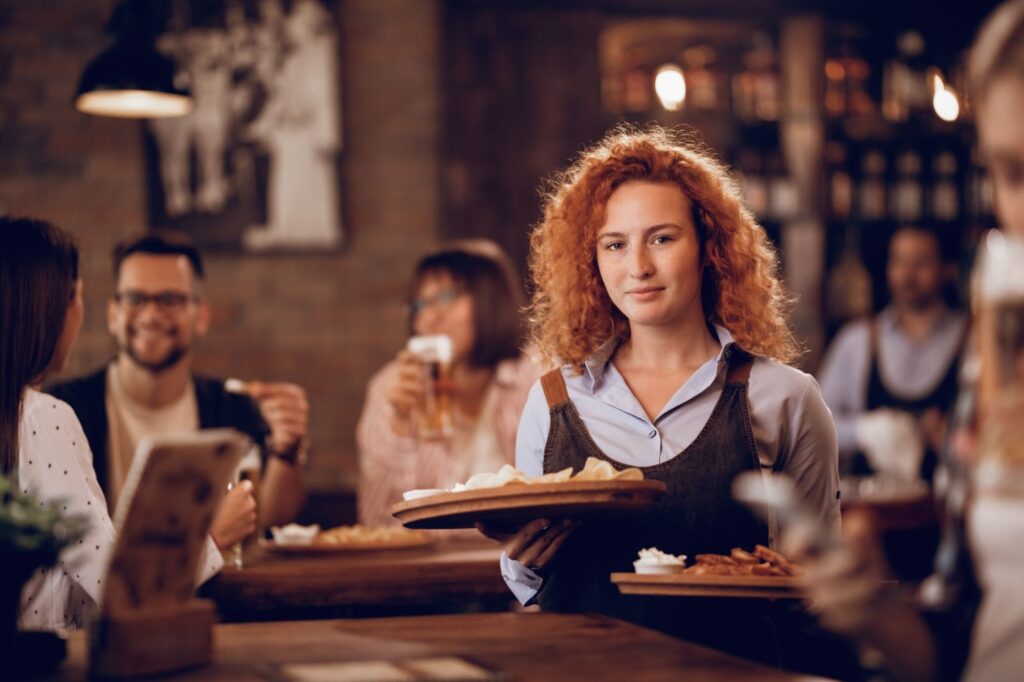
{"x": 87, "y": 396}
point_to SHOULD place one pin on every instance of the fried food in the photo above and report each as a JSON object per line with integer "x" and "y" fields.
{"x": 777, "y": 559}
{"x": 715, "y": 559}
{"x": 367, "y": 535}
{"x": 593, "y": 470}
{"x": 762, "y": 561}
{"x": 742, "y": 556}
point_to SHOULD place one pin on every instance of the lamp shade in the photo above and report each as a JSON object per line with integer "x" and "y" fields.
{"x": 131, "y": 80}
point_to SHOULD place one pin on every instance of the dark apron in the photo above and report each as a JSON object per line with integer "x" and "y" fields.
{"x": 696, "y": 515}
{"x": 942, "y": 397}
{"x": 910, "y": 550}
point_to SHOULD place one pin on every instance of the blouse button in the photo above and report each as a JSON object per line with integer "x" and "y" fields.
{"x": 652, "y": 433}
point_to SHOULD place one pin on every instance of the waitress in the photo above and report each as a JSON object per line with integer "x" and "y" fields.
{"x": 656, "y": 290}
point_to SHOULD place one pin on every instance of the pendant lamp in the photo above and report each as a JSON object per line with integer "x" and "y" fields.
{"x": 131, "y": 80}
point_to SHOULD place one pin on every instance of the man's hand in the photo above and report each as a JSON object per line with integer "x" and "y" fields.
{"x": 285, "y": 409}
{"x": 235, "y": 519}
{"x": 535, "y": 544}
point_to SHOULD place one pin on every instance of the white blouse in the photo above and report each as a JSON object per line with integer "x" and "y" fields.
{"x": 55, "y": 466}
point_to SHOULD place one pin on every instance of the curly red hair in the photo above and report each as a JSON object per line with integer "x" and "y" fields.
{"x": 571, "y": 314}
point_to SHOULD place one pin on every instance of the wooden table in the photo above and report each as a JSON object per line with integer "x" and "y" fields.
{"x": 527, "y": 646}
{"x": 450, "y": 576}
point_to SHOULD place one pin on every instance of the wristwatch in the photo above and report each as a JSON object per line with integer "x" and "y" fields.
{"x": 296, "y": 454}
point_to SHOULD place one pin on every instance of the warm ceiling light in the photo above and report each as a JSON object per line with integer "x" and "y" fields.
{"x": 131, "y": 80}
{"x": 944, "y": 100}
{"x": 670, "y": 86}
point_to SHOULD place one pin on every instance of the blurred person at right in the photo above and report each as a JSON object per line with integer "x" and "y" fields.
{"x": 469, "y": 292}
{"x": 979, "y": 635}
{"x": 891, "y": 379}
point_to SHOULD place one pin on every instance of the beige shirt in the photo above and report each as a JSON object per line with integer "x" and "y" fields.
{"x": 128, "y": 422}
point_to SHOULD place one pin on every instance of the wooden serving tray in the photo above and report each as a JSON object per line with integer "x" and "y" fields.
{"x": 347, "y": 547}
{"x": 687, "y": 585}
{"x": 516, "y": 504}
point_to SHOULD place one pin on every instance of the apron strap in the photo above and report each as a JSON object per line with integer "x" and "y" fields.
{"x": 740, "y": 363}
{"x": 555, "y": 391}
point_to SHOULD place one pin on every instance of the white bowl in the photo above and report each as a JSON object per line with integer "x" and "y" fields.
{"x": 424, "y": 492}
{"x": 657, "y": 569}
{"x": 294, "y": 534}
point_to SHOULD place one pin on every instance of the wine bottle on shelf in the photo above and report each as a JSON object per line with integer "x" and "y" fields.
{"x": 755, "y": 186}
{"x": 848, "y": 284}
{"x": 945, "y": 192}
{"x": 835, "y": 87}
{"x": 637, "y": 87}
{"x": 840, "y": 184}
{"x": 907, "y": 198}
{"x": 871, "y": 202}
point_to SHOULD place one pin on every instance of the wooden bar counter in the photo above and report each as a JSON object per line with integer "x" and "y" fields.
{"x": 449, "y": 576}
{"x": 520, "y": 646}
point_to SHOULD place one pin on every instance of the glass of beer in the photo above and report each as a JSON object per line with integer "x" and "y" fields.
{"x": 433, "y": 417}
{"x": 249, "y": 469}
{"x": 1000, "y": 322}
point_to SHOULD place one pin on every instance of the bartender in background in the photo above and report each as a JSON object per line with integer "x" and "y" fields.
{"x": 891, "y": 379}
{"x": 974, "y": 640}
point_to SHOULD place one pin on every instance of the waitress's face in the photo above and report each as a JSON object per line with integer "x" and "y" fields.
{"x": 1001, "y": 138}
{"x": 68, "y": 336}
{"x": 649, "y": 254}
{"x": 443, "y": 307}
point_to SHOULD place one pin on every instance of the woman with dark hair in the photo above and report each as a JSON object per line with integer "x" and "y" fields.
{"x": 469, "y": 292}
{"x": 41, "y": 442}
{"x": 656, "y": 290}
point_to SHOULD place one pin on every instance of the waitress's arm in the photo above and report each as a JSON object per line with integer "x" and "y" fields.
{"x": 795, "y": 435}
{"x": 531, "y": 438}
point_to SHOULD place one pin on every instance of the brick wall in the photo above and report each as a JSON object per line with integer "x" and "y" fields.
{"x": 326, "y": 322}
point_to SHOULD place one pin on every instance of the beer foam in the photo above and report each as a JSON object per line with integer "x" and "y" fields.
{"x": 1000, "y": 270}
{"x": 432, "y": 348}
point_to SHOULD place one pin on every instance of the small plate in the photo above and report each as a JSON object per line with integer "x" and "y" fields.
{"x": 657, "y": 569}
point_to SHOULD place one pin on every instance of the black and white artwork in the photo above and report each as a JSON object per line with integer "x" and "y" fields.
{"x": 255, "y": 166}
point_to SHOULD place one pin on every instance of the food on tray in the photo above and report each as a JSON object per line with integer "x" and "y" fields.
{"x": 294, "y": 534}
{"x": 421, "y": 492}
{"x": 593, "y": 470}
{"x": 762, "y": 561}
{"x": 653, "y": 560}
{"x": 368, "y": 535}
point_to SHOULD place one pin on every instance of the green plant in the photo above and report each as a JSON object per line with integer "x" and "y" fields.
{"x": 29, "y": 527}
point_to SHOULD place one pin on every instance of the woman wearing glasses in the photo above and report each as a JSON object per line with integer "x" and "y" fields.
{"x": 467, "y": 291}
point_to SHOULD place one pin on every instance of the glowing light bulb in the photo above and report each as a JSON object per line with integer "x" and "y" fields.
{"x": 946, "y": 104}
{"x": 670, "y": 86}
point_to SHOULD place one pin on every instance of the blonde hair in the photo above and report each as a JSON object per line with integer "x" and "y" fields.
{"x": 571, "y": 314}
{"x": 998, "y": 49}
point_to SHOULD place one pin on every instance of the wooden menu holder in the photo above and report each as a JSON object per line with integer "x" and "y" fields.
{"x": 151, "y": 622}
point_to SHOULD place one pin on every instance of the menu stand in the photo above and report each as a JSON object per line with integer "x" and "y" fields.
{"x": 154, "y": 640}
{"x": 151, "y": 621}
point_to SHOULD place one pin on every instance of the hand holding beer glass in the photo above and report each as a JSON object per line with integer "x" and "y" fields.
{"x": 421, "y": 392}
{"x": 236, "y": 520}
{"x": 1000, "y": 309}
